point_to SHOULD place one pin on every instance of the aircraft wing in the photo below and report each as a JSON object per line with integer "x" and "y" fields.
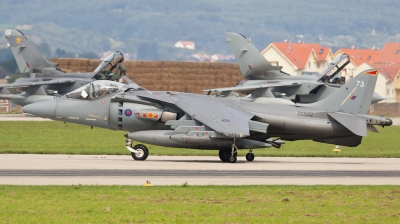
{"x": 219, "y": 115}
{"x": 253, "y": 87}
{"x": 38, "y": 83}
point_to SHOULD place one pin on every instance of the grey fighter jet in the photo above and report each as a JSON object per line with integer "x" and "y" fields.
{"x": 266, "y": 80}
{"x": 194, "y": 121}
{"x": 43, "y": 79}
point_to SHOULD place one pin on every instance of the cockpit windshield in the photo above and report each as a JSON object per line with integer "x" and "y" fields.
{"x": 95, "y": 90}
{"x": 109, "y": 63}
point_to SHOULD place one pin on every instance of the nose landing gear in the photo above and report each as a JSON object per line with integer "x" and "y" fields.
{"x": 138, "y": 152}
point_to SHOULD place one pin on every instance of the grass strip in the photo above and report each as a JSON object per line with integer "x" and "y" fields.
{"x": 58, "y": 138}
{"x": 199, "y": 204}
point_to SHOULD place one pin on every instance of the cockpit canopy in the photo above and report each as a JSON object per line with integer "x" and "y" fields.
{"x": 95, "y": 90}
{"x": 109, "y": 63}
{"x": 335, "y": 66}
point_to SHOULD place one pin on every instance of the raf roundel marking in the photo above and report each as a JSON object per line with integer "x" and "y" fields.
{"x": 128, "y": 112}
{"x": 225, "y": 120}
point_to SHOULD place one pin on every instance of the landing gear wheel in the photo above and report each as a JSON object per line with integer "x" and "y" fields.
{"x": 224, "y": 155}
{"x": 233, "y": 159}
{"x": 249, "y": 156}
{"x": 142, "y": 154}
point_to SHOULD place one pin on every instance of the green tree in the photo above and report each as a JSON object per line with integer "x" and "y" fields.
{"x": 60, "y": 53}
{"x": 90, "y": 55}
{"x": 44, "y": 49}
{"x": 10, "y": 65}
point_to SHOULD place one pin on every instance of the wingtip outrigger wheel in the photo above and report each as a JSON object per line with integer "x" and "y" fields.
{"x": 250, "y": 155}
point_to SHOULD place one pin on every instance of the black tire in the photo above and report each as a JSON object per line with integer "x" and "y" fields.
{"x": 224, "y": 155}
{"x": 144, "y": 152}
{"x": 249, "y": 156}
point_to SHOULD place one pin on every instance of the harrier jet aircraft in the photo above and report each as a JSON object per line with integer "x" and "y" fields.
{"x": 266, "y": 80}
{"x": 44, "y": 80}
{"x": 194, "y": 121}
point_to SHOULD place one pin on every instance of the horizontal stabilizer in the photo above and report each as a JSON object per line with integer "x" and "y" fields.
{"x": 355, "y": 124}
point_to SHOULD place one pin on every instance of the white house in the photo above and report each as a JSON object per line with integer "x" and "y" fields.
{"x": 185, "y": 44}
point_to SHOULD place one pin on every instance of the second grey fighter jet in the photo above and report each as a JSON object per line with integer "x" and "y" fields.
{"x": 43, "y": 79}
{"x": 185, "y": 120}
{"x": 266, "y": 80}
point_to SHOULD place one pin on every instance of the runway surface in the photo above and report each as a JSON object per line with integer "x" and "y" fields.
{"x": 20, "y": 117}
{"x": 194, "y": 170}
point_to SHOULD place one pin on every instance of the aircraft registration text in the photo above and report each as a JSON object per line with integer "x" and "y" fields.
{"x": 304, "y": 114}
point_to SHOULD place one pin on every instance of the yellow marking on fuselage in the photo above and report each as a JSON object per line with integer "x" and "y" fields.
{"x": 348, "y": 96}
{"x": 18, "y": 40}
{"x": 93, "y": 115}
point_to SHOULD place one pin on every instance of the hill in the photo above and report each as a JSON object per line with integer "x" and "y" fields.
{"x": 99, "y": 26}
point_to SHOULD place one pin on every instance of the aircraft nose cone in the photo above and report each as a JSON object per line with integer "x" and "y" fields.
{"x": 46, "y": 109}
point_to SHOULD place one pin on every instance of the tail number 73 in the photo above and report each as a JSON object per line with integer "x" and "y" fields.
{"x": 360, "y": 83}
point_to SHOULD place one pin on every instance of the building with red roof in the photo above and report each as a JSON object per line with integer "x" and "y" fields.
{"x": 311, "y": 59}
{"x": 298, "y": 58}
{"x": 387, "y": 60}
{"x": 357, "y": 57}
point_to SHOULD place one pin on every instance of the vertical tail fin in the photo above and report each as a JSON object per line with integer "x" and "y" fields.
{"x": 353, "y": 97}
{"x": 249, "y": 59}
{"x": 25, "y": 53}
